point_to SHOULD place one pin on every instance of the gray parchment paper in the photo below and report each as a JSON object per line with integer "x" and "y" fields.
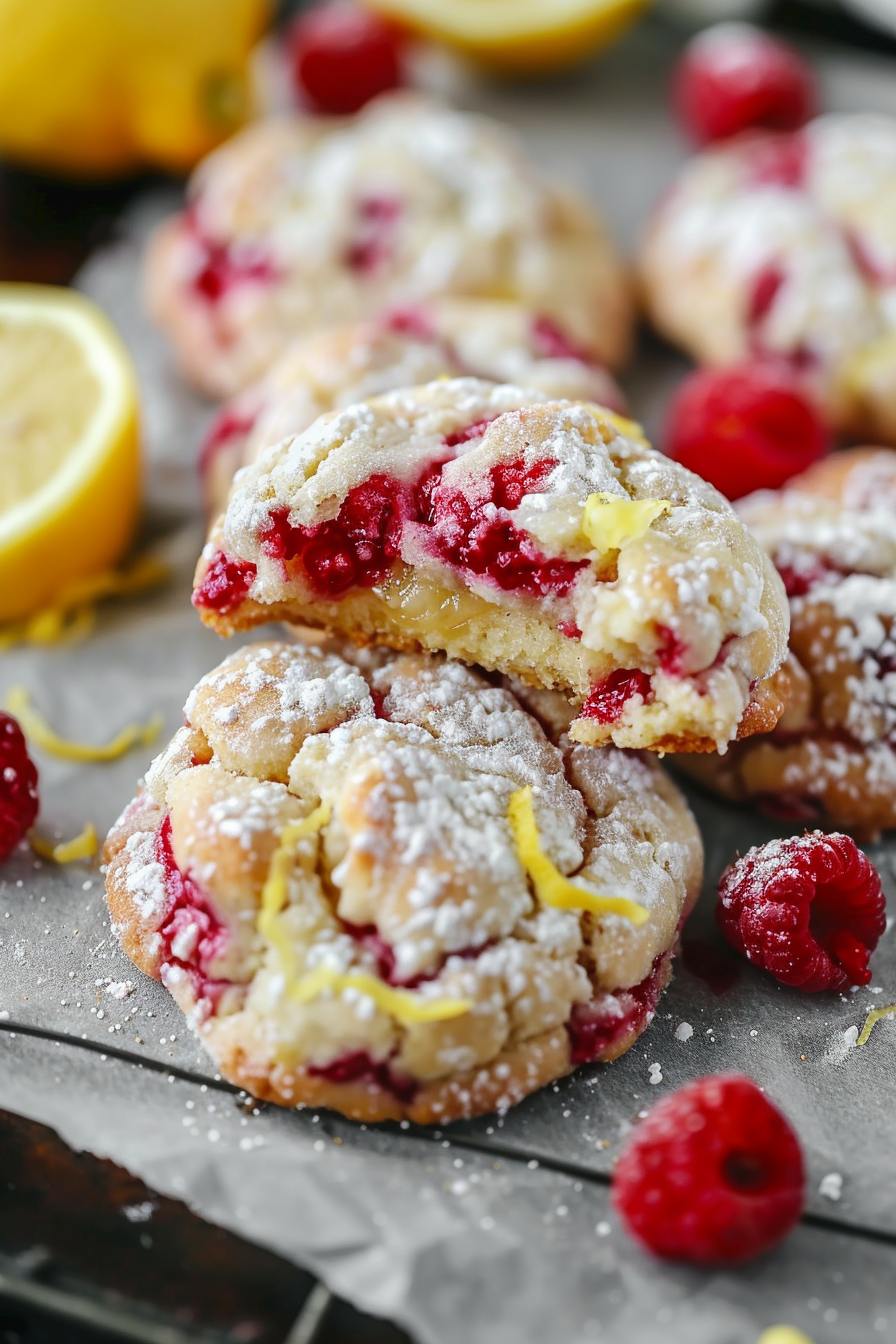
{"x": 499, "y": 1229}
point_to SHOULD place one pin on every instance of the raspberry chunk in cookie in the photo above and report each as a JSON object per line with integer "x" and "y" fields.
{"x": 384, "y": 889}
{"x": 713, "y": 1175}
{"x": 541, "y": 539}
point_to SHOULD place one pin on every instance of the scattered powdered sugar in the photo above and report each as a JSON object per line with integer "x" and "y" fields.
{"x": 655, "y": 1073}
{"x": 831, "y": 1186}
{"x": 841, "y": 1046}
{"x": 684, "y": 1031}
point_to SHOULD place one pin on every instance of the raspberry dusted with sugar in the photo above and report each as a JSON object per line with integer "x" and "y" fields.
{"x": 744, "y": 428}
{"x": 342, "y": 56}
{"x": 18, "y": 786}
{"x": 809, "y": 910}
{"x": 733, "y": 77}
{"x": 714, "y": 1175}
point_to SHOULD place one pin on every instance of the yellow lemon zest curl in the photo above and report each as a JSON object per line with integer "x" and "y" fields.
{"x": 36, "y": 728}
{"x": 551, "y": 887}
{"x": 872, "y": 1019}
{"x": 629, "y": 429}
{"x": 403, "y": 1004}
{"x": 610, "y": 521}
{"x": 72, "y": 616}
{"x": 82, "y": 846}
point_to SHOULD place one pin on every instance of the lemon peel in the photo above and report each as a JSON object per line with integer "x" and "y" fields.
{"x": 36, "y": 728}
{"x": 72, "y": 616}
{"x": 405, "y": 1005}
{"x": 82, "y": 846}
{"x": 629, "y": 429}
{"x": 609, "y": 521}
{"x": 551, "y": 887}
{"x": 402, "y": 1004}
{"x": 783, "y": 1334}
{"x": 875, "y": 1016}
{"x": 275, "y": 891}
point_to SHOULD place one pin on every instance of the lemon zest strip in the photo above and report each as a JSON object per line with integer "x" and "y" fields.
{"x": 35, "y": 727}
{"x": 610, "y": 521}
{"x": 274, "y": 893}
{"x": 72, "y": 616}
{"x": 783, "y": 1334}
{"x": 629, "y": 429}
{"x": 872, "y": 1019}
{"x": 82, "y": 846}
{"x": 551, "y": 887}
{"x": 403, "y": 1004}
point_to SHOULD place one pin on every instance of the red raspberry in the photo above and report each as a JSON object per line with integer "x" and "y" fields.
{"x": 342, "y": 56}
{"x": 733, "y": 77}
{"x": 714, "y": 1175}
{"x": 744, "y": 428}
{"x": 18, "y": 786}
{"x": 809, "y": 910}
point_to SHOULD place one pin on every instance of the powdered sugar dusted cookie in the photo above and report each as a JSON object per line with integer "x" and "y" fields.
{"x": 785, "y": 246}
{"x": 492, "y": 339}
{"x": 302, "y": 223}
{"x": 832, "y": 758}
{"x": 390, "y": 893}
{"x": 542, "y": 539}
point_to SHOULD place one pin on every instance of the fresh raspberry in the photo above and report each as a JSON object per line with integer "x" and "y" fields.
{"x": 809, "y": 910}
{"x": 609, "y": 697}
{"x": 18, "y": 786}
{"x": 733, "y": 77}
{"x": 714, "y": 1175}
{"x": 743, "y": 428}
{"x": 341, "y": 56}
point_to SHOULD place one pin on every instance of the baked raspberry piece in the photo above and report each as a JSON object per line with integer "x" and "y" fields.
{"x": 714, "y": 1175}
{"x": 18, "y": 786}
{"x": 341, "y": 56}
{"x": 744, "y": 428}
{"x": 733, "y": 77}
{"x": 809, "y": 910}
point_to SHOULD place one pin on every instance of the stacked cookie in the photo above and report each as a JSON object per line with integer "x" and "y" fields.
{"x": 415, "y": 872}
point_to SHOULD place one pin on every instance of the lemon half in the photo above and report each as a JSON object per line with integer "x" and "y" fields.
{"x": 69, "y": 450}
{"x": 518, "y": 35}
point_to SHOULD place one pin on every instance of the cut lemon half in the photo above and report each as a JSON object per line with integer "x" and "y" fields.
{"x": 69, "y": 454}
{"x": 518, "y": 35}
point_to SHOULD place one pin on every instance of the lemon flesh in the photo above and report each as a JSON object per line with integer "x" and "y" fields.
{"x": 69, "y": 455}
{"x": 518, "y": 35}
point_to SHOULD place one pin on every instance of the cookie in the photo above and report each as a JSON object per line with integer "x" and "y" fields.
{"x": 785, "y": 246}
{"x": 541, "y": 539}
{"x": 302, "y": 223}
{"x": 492, "y": 339}
{"x": 831, "y": 761}
{"x": 390, "y": 893}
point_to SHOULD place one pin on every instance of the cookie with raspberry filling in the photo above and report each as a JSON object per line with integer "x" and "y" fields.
{"x": 540, "y": 539}
{"x": 389, "y": 892}
{"x": 832, "y": 757}
{"x": 304, "y": 222}
{"x": 783, "y": 247}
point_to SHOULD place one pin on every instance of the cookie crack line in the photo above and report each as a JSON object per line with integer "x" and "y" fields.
{"x": 413, "y": 1133}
